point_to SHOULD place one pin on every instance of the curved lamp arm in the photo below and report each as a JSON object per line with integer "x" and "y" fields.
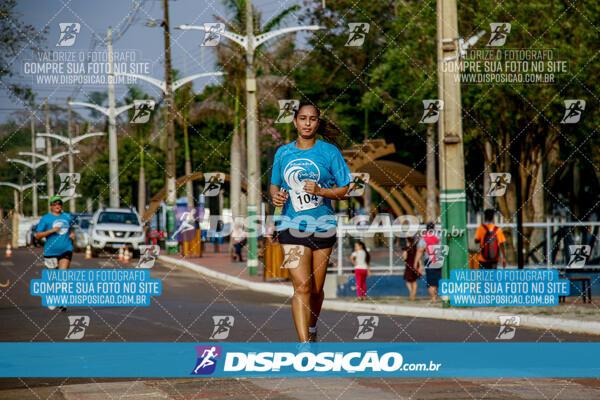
{"x": 260, "y": 39}
{"x": 103, "y": 110}
{"x": 156, "y": 82}
{"x": 234, "y": 37}
{"x": 180, "y": 82}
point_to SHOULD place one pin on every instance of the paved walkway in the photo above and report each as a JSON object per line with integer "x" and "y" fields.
{"x": 222, "y": 262}
{"x": 571, "y": 316}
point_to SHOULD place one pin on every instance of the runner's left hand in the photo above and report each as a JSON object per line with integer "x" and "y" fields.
{"x": 311, "y": 187}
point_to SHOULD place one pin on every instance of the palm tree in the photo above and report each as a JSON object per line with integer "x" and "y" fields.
{"x": 272, "y": 84}
{"x": 183, "y": 98}
{"x": 141, "y": 130}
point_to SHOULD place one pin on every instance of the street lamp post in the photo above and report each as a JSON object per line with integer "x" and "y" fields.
{"x": 33, "y": 165}
{"x": 111, "y": 112}
{"x": 168, "y": 88}
{"x": 33, "y": 171}
{"x": 21, "y": 189}
{"x": 70, "y": 142}
{"x": 250, "y": 43}
{"x": 50, "y": 169}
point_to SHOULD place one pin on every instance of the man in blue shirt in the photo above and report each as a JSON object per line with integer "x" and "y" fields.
{"x": 56, "y": 228}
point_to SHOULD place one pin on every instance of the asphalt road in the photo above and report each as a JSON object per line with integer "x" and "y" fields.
{"x": 183, "y": 313}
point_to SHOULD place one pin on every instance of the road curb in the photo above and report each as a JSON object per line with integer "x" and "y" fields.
{"x": 272, "y": 288}
{"x": 454, "y": 314}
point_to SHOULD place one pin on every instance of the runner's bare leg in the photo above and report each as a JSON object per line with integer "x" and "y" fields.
{"x": 320, "y": 259}
{"x": 302, "y": 281}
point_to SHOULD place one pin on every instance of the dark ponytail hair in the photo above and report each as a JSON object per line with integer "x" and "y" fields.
{"x": 368, "y": 258}
{"x": 326, "y": 128}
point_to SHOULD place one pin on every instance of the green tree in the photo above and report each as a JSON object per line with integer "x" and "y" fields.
{"x": 15, "y": 36}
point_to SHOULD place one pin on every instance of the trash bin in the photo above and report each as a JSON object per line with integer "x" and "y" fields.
{"x": 273, "y": 261}
{"x": 473, "y": 260}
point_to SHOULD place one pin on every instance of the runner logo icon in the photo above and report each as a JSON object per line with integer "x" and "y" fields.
{"x": 286, "y": 111}
{"x": 213, "y": 30}
{"x": 148, "y": 255}
{"x": 358, "y": 32}
{"x": 579, "y": 255}
{"x": 223, "y": 324}
{"x": 77, "y": 326}
{"x": 366, "y": 326}
{"x": 431, "y": 111}
{"x": 498, "y": 183}
{"x": 207, "y": 359}
{"x": 357, "y": 187}
{"x": 68, "y": 184}
{"x": 141, "y": 111}
{"x": 212, "y": 183}
{"x": 439, "y": 253}
{"x": 68, "y": 33}
{"x": 291, "y": 255}
{"x": 507, "y": 326}
{"x": 573, "y": 110}
{"x": 500, "y": 31}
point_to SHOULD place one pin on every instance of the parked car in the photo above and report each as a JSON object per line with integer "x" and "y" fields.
{"x": 81, "y": 225}
{"x": 30, "y": 240}
{"x": 112, "y": 228}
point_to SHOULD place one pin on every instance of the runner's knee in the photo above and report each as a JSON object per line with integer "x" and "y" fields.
{"x": 302, "y": 289}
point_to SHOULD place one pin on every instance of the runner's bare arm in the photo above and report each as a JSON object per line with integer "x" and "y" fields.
{"x": 419, "y": 259}
{"x": 336, "y": 193}
{"x": 278, "y": 196}
{"x": 39, "y": 235}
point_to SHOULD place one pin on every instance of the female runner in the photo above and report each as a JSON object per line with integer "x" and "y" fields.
{"x": 307, "y": 174}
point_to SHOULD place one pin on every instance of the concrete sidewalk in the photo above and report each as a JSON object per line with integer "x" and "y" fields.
{"x": 219, "y": 265}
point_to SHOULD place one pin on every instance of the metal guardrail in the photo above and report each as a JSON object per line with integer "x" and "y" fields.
{"x": 390, "y": 231}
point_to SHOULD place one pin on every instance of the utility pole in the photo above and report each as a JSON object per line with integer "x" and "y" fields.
{"x": 72, "y": 204}
{"x": 171, "y": 246}
{"x": 250, "y": 43}
{"x": 515, "y": 150}
{"x": 487, "y": 162}
{"x": 34, "y": 169}
{"x": 430, "y": 173}
{"x": 113, "y": 148}
{"x": 16, "y": 201}
{"x": 189, "y": 188}
{"x": 452, "y": 170}
{"x": 50, "y": 167}
{"x": 252, "y": 144}
{"x": 21, "y": 195}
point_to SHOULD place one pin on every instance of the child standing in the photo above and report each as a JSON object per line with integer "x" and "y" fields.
{"x": 362, "y": 268}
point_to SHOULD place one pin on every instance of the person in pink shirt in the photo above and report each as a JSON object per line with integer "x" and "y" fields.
{"x": 433, "y": 269}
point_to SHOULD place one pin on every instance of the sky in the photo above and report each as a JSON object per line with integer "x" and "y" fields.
{"x": 140, "y": 48}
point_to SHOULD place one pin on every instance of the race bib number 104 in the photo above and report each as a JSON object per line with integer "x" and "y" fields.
{"x": 302, "y": 201}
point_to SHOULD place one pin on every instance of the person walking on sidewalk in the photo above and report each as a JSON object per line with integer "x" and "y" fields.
{"x": 433, "y": 266}
{"x": 490, "y": 239}
{"x": 239, "y": 241}
{"x": 56, "y": 227}
{"x": 313, "y": 173}
{"x": 361, "y": 260}
{"x": 413, "y": 257}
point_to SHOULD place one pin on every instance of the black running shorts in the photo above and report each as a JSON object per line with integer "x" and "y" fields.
{"x": 67, "y": 254}
{"x": 313, "y": 240}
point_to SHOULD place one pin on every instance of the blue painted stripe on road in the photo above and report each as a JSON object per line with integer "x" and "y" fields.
{"x": 356, "y": 359}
